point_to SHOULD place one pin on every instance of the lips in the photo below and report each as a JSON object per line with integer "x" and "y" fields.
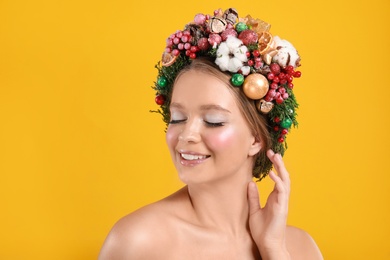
{"x": 192, "y": 159}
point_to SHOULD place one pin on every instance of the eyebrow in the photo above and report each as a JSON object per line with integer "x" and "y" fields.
{"x": 203, "y": 107}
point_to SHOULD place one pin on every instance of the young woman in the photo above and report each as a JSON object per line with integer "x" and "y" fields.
{"x": 219, "y": 138}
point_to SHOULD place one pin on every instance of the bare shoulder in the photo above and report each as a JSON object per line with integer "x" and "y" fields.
{"x": 301, "y": 245}
{"x": 142, "y": 233}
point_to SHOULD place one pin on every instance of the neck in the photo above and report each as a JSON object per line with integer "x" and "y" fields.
{"x": 222, "y": 205}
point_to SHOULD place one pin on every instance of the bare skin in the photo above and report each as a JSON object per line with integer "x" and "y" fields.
{"x": 217, "y": 215}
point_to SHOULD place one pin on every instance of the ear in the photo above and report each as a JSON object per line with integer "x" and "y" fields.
{"x": 255, "y": 146}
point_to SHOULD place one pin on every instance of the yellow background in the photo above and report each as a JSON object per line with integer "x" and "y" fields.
{"x": 79, "y": 149}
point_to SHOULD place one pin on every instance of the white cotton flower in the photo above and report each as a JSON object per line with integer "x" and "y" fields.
{"x": 231, "y": 54}
{"x": 287, "y": 54}
{"x": 245, "y": 70}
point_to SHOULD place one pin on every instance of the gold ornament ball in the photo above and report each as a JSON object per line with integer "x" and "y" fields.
{"x": 255, "y": 86}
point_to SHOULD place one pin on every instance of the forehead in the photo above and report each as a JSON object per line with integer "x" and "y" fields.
{"x": 202, "y": 87}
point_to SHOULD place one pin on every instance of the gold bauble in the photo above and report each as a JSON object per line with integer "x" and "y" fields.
{"x": 255, "y": 86}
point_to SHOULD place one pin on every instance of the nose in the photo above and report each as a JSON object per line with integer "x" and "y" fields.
{"x": 190, "y": 132}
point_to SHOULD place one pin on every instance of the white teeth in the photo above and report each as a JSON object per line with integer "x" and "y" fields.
{"x": 193, "y": 156}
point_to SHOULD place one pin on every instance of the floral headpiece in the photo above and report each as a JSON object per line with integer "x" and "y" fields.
{"x": 261, "y": 64}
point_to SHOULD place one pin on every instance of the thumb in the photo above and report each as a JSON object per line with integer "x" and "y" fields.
{"x": 253, "y": 198}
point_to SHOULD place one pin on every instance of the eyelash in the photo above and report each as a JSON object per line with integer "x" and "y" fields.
{"x": 214, "y": 124}
{"x": 176, "y": 121}
{"x": 209, "y": 124}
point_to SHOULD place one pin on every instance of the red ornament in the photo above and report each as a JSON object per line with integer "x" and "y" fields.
{"x": 248, "y": 37}
{"x": 275, "y": 68}
{"x": 281, "y": 140}
{"x": 276, "y": 128}
{"x": 284, "y": 131}
{"x": 160, "y": 100}
{"x": 276, "y": 119}
{"x": 203, "y": 44}
{"x": 228, "y": 32}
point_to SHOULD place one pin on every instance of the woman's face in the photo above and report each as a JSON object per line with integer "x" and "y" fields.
{"x": 208, "y": 137}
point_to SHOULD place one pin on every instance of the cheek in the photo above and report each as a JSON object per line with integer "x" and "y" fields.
{"x": 171, "y": 137}
{"x": 222, "y": 140}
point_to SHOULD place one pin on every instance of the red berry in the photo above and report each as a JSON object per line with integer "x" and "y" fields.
{"x": 187, "y": 45}
{"x": 176, "y": 52}
{"x": 276, "y": 79}
{"x": 250, "y": 62}
{"x": 275, "y": 68}
{"x": 248, "y": 54}
{"x": 268, "y": 98}
{"x": 187, "y": 33}
{"x": 194, "y": 49}
{"x": 180, "y": 46}
{"x": 276, "y": 119}
{"x": 176, "y": 40}
{"x": 282, "y": 75}
{"x": 184, "y": 38}
{"x": 290, "y": 69}
{"x": 284, "y": 131}
{"x": 193, "y": 55}
{"x": 282, "y": 81}
{"x": 271, "y": 76}
{"x": 279, "y": 100}
{"x": 297, "y": 74}
{"x": 281, "y": 140}
{"x": 258, "y": 64}
{"x": 276, "y": 128}
{"x": 160, "y": 99}
{"x": 179, "y": 34}
{"x": 169, "y": 42}
{"x": 168, "y": 50}
{"x": 271, "y": 93}
{"x": 285, "y": 96}
{"x": 256, "y": 53}
{"x": 274, "y": 85}
{"x": 282, "y": 90}
{"x": 188, "y": 52}
{"x": 289, "y": 78}
{"x": 290, "y": 85}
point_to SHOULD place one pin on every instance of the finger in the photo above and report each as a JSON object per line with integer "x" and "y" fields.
{"x": 253, "y": 198}
{"x": 282, "y": 190}
{"x": 278, "y": 163}
{"x": 279, "y": 184}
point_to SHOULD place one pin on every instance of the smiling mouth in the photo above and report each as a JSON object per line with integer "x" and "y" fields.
{"x": 193, "y": 157}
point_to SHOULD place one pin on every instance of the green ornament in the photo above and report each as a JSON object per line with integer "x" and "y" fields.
{"x": 286, "y": 123}
{"x": 162, "y": 82}
{"x": 237, "y": 79}
{"x": 241, "y": 27}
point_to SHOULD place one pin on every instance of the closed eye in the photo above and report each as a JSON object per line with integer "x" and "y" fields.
{"x": 176, "y": 121}
{"x": 211, "y": 124}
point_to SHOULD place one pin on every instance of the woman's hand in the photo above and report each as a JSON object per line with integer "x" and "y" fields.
{"x": 268, "y": 224}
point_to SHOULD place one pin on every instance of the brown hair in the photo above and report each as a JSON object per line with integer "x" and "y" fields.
{"x": 256, "y": 121}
